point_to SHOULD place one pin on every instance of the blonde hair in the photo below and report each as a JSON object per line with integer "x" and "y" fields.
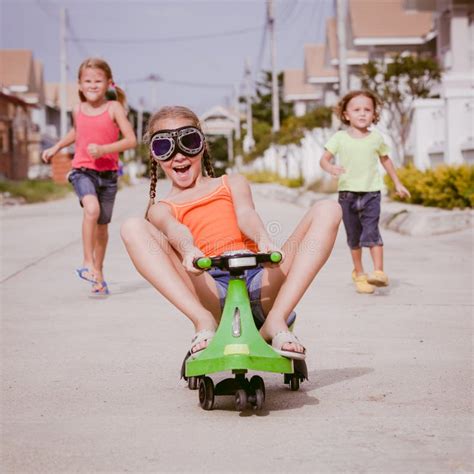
{"x": 97, "y": 63}
{"x": 342, "y": 105}
{"x": 174, "y": 112}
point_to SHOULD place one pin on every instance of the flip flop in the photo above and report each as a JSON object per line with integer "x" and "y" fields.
{"x": 284, "y": 337}
{"x": 200, "y": 336}
{"x": 103, "y": 290}
{"x": 80, "y": 272}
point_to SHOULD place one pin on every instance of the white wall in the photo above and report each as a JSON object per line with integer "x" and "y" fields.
{"x": 294, "y": 161}
{"x": 426, "y": 141}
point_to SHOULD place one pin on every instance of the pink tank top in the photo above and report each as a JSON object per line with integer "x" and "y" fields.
{"x": 99, "y": 129}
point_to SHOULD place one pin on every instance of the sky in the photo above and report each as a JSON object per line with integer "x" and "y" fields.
{"x": 197, "y": 48}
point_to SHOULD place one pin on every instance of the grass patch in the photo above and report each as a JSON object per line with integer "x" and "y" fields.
{"x": 35, "y": 190}
{"x": 267, "y": 177}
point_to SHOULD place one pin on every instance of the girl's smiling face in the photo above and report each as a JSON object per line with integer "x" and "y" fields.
{"x": 360, "y": 112}
{"x": 182, "y": 170}
{"x": 94, "y": 84}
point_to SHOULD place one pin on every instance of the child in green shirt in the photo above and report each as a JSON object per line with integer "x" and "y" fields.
{"x": 359, "y": 150}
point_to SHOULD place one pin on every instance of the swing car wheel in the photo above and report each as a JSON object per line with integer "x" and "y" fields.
{"x": 256, "y": 382}
{"x": 206, "y": 393}
{"x": 259, "y": 399}
{"x": 294, "y": 383}
{"x": 240, "y": 399}
{"x": 193, "y": 383}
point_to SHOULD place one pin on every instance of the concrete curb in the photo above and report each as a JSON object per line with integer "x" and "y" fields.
{"x": 408, "y": 219}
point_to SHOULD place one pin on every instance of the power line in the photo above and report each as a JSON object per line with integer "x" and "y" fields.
{"x": 167, "y": 39}
{"x": 156, "y": 78}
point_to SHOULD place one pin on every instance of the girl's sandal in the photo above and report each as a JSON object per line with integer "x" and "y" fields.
{"x": 100, "y": 288}
{"x": 85, "y": 274}
{"x": 286, "y": 337}
{"x": 200, "y": 336}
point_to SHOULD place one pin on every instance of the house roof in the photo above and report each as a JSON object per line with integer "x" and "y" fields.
{"x": 315, "y": 70}
{"x": 52, "y": 97}
{"x": 218, "y": 120}
{"x": 332, "y": 43}
{"x": 387, "y": 22}
{"x": 17, "y": 70}
{"x": 13, "y": 99}
{"x": 295, "y": 87}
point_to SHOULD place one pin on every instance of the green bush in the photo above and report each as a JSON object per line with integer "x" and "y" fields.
{"x": 292, "y": 131}
{"x": 293, "y": 128}
{"x": 267, "y": 177}
{"x": 447, "y": 187}
{"x": 35, "y": 190}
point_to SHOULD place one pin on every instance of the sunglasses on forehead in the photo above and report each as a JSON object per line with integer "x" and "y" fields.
{"x": 164, "y": 144}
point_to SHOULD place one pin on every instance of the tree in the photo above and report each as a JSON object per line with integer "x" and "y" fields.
{"x": 262, "y": 103}
{"x": 398, "y": 84}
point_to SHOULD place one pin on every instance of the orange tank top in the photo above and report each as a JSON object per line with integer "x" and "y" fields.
{"x": 212, "y": 222}
{"x": 101, "y": 130}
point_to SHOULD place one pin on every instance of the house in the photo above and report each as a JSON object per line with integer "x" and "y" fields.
{"x": 14, "y": 130}
{"x": 21, "y": 96}
{"x": 443, "y": 129}
{"x": 30, "y": 114}
{"x": 302, "y": 94}
{"x": 374, "y": 30}
{"x": 224, "y": 122}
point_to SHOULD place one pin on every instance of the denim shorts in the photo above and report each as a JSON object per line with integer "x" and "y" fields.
{"x": 102, "y": 184}
{"x": 360, "y": 214}
{"x": 253, "y": 279}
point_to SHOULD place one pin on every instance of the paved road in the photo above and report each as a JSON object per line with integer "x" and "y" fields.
{"x": 91, "y": 385}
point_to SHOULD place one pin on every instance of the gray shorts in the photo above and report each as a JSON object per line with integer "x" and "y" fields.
{"x": 102, "y": 184}
{"x": 253, "y": 279}
{"x": 361, "y": 214}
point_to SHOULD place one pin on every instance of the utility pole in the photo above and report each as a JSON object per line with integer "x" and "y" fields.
{"x": 154, "y": 78}
{"x": 249, "y": 141}
{"x": 341, "y": 12}
{"x": 141, "y": 103}
{"x": 275, "y": 98}
{"x": 237, "y": 112}
{"x": 63, "y": 71}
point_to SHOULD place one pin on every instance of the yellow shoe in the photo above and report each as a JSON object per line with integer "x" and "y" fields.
{"x": 378, "y": 278}
{"x": 361, "y": 284}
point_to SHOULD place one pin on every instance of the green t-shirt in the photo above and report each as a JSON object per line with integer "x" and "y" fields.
{"x": 360, "y": 159}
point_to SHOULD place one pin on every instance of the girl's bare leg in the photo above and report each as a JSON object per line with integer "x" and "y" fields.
{"x": 306, "y": 251}
{"x": 157, "y": 262}
{"x": 356, "y": 255}
{"x": 377, "y": 256}
{"x": 101, "y": 240}
{"x": 91, "y": 207}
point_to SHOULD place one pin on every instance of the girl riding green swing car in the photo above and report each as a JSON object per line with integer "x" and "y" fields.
{"x": 205, "y": 216}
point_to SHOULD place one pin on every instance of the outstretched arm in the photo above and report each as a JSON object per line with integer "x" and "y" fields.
{"x": 390, "y": 169}
{"x": 248, "y": 220}
{"x": 178, "y": 235}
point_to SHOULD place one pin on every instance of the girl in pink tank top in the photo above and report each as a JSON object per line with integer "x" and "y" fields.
{"x": 96, "y": 134}
{"x": 202, "y": 214}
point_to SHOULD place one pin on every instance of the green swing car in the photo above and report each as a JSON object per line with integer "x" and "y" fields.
{"x": 237, "y": 344}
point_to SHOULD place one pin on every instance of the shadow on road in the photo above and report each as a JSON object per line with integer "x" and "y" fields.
{"x": 325, "y": 377}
